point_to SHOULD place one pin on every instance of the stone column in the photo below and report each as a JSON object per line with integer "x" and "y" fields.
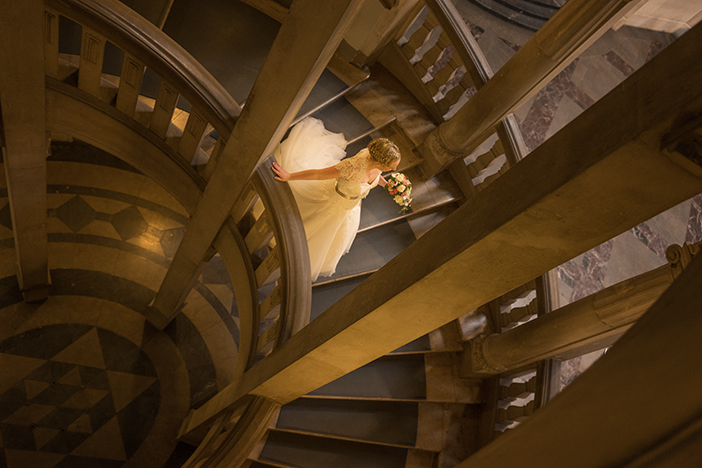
{"x": 638, "y": 405}
{"x": 591, "y": 323}
{"x": 25, "y": 142}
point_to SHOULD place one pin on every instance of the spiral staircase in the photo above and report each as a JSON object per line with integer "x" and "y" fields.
{"x": 370, "y": 417}
{"x": 417, "y": 406}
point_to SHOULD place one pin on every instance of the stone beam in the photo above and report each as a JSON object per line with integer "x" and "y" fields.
{"x": 304, "y": 45}
{"x": 563, "y": 38}
{"x": 591, "y": 323}
{"x": 24, "y": 141}
{"x": 598, "y": 177}
{"x": 638, "y": 405}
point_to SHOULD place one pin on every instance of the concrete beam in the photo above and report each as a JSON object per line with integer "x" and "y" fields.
{"x": 304, "y": 45}
{"x": 571, "y": 194}
{"x": 577, "y": 25}
{"x": 25, "y": 143}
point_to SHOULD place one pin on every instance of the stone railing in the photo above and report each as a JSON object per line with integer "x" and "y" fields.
{"x": 274, "y": 281}
{"x": 436, "y": 57}
{"x": 512, "y": 394}
{"x": 144, "y": 46}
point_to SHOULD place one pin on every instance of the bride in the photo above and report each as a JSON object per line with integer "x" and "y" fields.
{"x": 328, "y": 191}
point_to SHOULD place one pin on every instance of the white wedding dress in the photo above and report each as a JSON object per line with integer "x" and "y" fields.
{"x": 330, "y": 209}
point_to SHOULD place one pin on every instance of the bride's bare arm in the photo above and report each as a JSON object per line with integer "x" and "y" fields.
{"x": 312, "y": 174}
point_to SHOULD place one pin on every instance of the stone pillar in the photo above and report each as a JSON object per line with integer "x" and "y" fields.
{"x": 25, "y": 142}
{"x": 591, "y": 323}
{"x": 565, "y": 36}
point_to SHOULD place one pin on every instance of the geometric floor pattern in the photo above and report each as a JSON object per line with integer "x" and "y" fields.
{"x": 74, "y": 395}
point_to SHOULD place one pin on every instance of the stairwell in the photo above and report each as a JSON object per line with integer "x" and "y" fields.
{"x": 411, "y": 408}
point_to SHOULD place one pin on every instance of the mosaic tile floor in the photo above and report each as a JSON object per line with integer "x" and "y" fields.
{"x": 84, "y": 375}
{"x": 90, "y": 393}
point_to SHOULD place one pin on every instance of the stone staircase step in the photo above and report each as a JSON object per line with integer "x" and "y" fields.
{"x": 334, "y": 437}
{"x": 340, "y": 116}
{"x": 313, "y": 452}
{"x": 374, "y": 248}
{"x": 326, "y": 90}
{"x": 389, "y": 377}
{"x": 336, "y": 81}
{"x": 376, "y": 244}
{"x": 389, "y": 423}
{"x": 429, "y": 196}
{"x": 324, "y": 295}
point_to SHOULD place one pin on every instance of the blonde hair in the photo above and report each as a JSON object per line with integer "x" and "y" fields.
{"x": 384, "y": 151}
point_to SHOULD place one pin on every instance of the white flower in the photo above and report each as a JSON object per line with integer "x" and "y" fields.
{"x": 398, "y": 199}
{"x": 401, "y": 188}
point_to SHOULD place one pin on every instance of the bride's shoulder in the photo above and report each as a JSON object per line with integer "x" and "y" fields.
{"x": 363, "y": 154}
{"x": 355, "y": 166}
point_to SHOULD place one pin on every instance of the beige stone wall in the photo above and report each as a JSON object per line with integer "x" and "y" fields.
{"x": 672, "y": 16}
{"x": 374, "y": 23}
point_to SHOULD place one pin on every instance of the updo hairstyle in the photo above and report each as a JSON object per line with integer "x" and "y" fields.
{"x": 383, "y": 151}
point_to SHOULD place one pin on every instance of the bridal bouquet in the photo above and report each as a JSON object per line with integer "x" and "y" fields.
{"x": 400, "y": 188}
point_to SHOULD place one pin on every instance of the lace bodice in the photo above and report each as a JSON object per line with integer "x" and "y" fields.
{"x": 353, "y": 171}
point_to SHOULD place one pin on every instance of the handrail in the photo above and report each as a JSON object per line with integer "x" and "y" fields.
{"x": 451, "y": 21}
{"x": 276, "y": 228}
{"x": 288, "y": 232}
{"x": 138, "y": 37}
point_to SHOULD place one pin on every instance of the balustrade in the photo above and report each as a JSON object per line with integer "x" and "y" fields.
{"x": 266, "y": 228}
{"x": 437, "y": 59}
{"x": 516, "y": 399}
{"x": 437, "y": 76}
{"x": 513, "y": 394}
{"x": 182, "y": 79}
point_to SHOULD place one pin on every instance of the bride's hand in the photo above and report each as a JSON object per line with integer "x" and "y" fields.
{"x": 281, "y": 174}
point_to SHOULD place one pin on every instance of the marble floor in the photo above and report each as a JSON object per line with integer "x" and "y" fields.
{"x": 87, "y": 382}
{"x": 605, "y": 64}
